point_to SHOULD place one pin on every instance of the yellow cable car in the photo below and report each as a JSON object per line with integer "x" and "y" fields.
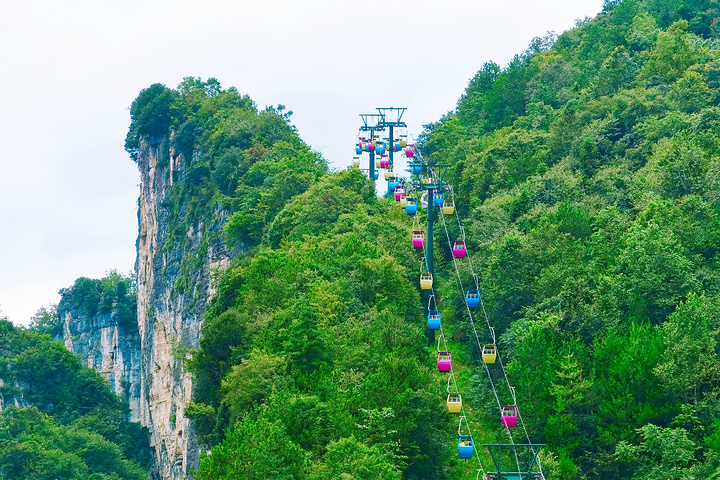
{"x": 426, "y": 281}
{"x": 377, "y": 162}
{"x": 454, "y": 403}
{"x": 424, "y": 179}
{"x": 388, "y": 174}
{"x": 448, "y": 207}
{"x": 489, "y": 353}
{"x": 356, "y": 161}
{"x": 403, "y": 200}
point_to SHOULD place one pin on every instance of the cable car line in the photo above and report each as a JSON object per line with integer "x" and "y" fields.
{"x": 508, "y": 420}
{"x": 487, "y": 320}
{"x": 487, "y": 369}
{"x": 434, "y": 195}
{"x": 452, "y": 375}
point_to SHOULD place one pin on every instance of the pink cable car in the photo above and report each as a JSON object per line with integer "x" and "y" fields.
{"x": 459, "y": 249}
{"x": 508, "y": 418}
{"x": 444, "y": 361}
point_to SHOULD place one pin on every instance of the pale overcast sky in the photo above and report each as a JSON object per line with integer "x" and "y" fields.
{"x": 71, "y": 69}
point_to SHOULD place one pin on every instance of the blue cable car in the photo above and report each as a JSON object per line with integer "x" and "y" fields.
{"x": 392, "y": 183}
{"x": 416, "y": 168}
{"x": 433, "y": 320}
{"x": 377, "y": 174}
{"x": 472, "y": 297}
{"x": 438, "y": 199}
{"x": 466, "y": 447}
{"x": 411, "y": 206}
{"x": 358, "y": 150}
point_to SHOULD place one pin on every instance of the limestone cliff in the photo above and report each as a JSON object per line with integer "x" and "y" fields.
{"x": 172, "y": 299}
{"x": 208, "y": 159}
{"x": 105, "y": 344}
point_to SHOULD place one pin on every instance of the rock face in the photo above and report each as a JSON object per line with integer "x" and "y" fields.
{"x": 175, "y": 258}
{"x": 112, "y": 350}
{"x": 8, "y": 400}
{"x": 144, "y": 362}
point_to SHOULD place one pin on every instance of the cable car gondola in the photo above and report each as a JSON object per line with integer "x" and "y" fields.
{"x": 508, "y": 418}
{"x": 466, "y": 447}
{"x": 411, "y": 206}
{"x": 433, "y": 321}
{"x": 454, "y": 403}
{"x": 472, "y": 298}
{"x": 459, "y": 249}
{"x": 444, "y": 361}
{"x": 426, "y": 281}
{"x": 489, "y": 353}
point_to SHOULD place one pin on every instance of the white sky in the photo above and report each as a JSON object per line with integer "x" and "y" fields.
{"x": 70, "y": 70}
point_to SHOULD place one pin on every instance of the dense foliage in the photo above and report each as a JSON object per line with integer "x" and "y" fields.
{"x": 313, "y": 360}
{"x": 69, "y": 424}
{"x": 588, "y": 172}
{"x": 245, "y": 161}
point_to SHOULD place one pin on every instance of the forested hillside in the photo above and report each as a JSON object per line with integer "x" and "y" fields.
{"x": 589, "y": 173}
{"x": 314, "y": 351}
{"x": 60, "y": 420}
{"x": 587, "y": 176}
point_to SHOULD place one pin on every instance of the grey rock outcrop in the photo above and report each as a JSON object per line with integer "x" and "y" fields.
{"x": 172, "y": 298}
{"x": 104, "y": 345}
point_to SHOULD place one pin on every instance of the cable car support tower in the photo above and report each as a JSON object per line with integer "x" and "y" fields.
{"x": 370, "y": 124}
{"x": 391, "y": 118}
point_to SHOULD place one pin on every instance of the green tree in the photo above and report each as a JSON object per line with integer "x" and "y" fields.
{"x": 672, "y": 54}
{"x": 254, "y": 450}
{"x": 348, "y": 458}
{"x": 691, "y": 366}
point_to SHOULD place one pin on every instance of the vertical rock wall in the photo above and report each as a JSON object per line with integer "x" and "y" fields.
{"x": 105, "y": 346}
{"x": 172, "y": 299}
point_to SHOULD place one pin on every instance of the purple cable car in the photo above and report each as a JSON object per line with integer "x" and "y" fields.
{"x": 418, "y": 239}
{"x": 508, "y": 417}
{"x": 459, "y": 249}
{"x": 444, "y": 361}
